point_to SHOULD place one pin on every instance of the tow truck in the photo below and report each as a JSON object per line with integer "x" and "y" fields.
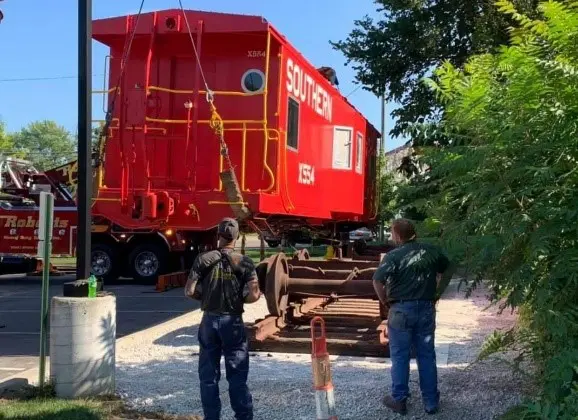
{"x": 20, "y": 187}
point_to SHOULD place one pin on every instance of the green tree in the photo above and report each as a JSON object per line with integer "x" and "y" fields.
{"x": 6, "y": 143}
{"x": 46, "y": 144}
{"x": 508, "y": 189}
{"x": 411, "y": 38}
{"x": 387, "y": 202}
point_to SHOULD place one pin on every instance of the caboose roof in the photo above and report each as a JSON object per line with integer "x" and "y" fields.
{"x": 107, "y": 30}
{"x": 213, "y": 22}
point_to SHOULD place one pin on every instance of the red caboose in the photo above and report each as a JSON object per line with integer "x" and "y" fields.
{"x": 302, "y": 154}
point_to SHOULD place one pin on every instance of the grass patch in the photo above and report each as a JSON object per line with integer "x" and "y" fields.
{"x": 63, "y": 261}
{"x": 51, "y": 409}
{"x": 34, "y": 404}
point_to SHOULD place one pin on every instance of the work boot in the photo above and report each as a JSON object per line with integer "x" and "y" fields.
{"x": 435, "y": 409}
{"x": 399, "y": 407}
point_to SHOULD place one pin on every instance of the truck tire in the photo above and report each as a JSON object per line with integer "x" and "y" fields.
{"x": 273, "y": 243}
{"x": 147, "y": 262}
{"x": 104, "y": 263}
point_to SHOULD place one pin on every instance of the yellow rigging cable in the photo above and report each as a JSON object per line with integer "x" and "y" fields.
{"x": 227, "y": 175}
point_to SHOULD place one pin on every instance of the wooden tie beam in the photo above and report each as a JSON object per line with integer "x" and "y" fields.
{"x": 171, "y": 281}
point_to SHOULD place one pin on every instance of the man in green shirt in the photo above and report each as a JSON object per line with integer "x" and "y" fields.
{"x": 407, "y": 280}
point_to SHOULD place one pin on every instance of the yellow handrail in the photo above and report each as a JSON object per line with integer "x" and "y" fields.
{"x": 204, "y": 92}
{"x": 266, "y": 86}
{"x": 102, "y": 92}
{"x": 103, "y": 121}
{"x": 279, "y": 87}
{"x": 267, "y": 137}
{"x": 163, "y": 130}
{"x": 107, "y": 199}
{"x": 221, "y": 164}
{"x": 291, "y": 205}
{"x": 243, "y": 156}
{"x": 228, "y": 202}
{"x": 265, "y": 133}
{"x": 168, "y": 121}
{"x": 253, "y": 129}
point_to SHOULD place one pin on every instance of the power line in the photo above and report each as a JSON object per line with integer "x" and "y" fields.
{"x": 34, "y": 79}
{"x": 38, "y": 154}
{"x": 353, "y": 91}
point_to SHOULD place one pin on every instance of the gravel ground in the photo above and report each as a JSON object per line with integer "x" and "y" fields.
{"x": 157, "y": 371}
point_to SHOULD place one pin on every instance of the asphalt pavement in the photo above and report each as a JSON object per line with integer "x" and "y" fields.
{"x": 138, "y": 307}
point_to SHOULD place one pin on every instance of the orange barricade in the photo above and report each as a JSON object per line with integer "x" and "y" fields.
{"x": 171, "y": 281}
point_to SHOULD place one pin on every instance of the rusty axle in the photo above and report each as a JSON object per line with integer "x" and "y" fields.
{"x": 350, "y": 287}
{"x": 284, "y": 280}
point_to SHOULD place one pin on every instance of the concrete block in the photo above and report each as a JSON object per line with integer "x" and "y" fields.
{"x": 83, "y": 346}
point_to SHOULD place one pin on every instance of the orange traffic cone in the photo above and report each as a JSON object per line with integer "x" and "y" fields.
{"x": 324, "y": 399}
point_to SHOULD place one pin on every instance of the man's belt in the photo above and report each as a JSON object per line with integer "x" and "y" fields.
{"x": 394, "y": 301}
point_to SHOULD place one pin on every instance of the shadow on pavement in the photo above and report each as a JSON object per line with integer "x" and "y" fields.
{"x": 138, "y": 307}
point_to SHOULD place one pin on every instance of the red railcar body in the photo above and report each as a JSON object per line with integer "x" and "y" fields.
{"x": 300, "y": 150}
{"x": 304, "y": 157}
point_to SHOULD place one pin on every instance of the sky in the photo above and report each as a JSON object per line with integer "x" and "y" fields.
{"x": 38, "y": 51}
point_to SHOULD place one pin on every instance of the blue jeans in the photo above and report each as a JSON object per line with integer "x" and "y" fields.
{"x": 224, "y": 334}
{"x": 413, "y": 323}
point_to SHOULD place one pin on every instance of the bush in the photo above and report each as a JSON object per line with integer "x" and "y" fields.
{"x": 507, "y": 196}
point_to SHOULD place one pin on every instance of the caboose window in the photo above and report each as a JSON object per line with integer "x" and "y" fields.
{"x": 293, "y": 124}
{"x": 253, "y": 81}
{"x": 359, "y": 152}
{"x": 342, "y": 149}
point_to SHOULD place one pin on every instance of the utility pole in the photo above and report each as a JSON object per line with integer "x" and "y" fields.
{"x": 84, "y": 192}
{"x": 46, "y": 219}
{"x": 380, "y": 154}
{"x": 382, "y": 123}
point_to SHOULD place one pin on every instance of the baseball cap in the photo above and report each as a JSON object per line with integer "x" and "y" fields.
{"x": 228, "y": 229}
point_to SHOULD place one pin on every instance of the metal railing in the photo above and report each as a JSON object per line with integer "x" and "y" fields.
{"x": 244, "y": 126}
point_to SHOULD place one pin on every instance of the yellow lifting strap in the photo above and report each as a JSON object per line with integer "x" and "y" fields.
{"x": 228, "y": 176}
{"x": 229, "y": 179}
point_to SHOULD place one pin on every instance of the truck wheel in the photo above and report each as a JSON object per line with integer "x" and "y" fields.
{"x": 147, "y": 262}
{"x": 273, "y": 243}
{"x": 103, "y": 262}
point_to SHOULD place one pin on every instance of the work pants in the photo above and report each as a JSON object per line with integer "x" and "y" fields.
{"x": 412, "y": 323}
{"x": 224, "y": 335}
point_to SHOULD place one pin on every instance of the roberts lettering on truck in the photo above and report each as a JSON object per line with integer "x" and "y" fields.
{"x": 29, "y": 222}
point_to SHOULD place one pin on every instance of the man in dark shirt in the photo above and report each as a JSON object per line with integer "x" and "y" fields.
{"x": 407, "y": 280}
{"x": 223, "y": 281}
